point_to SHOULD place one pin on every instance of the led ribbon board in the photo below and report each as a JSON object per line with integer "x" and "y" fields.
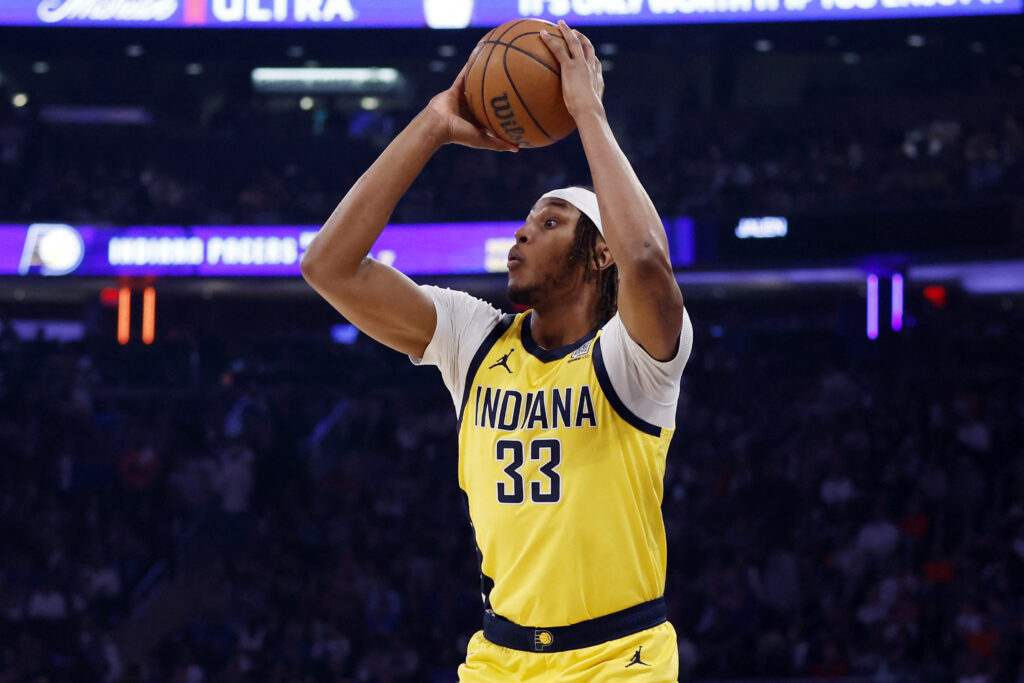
{"x": 57, "y": 249}
{"x": 465, "y": 13}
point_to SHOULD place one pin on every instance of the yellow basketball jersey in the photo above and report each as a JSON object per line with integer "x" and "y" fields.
{"x": 564, "y": 483}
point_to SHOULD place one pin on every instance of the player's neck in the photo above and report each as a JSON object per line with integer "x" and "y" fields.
{"x": 554, "y": 325}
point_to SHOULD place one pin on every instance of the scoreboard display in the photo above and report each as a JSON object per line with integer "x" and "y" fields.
{"x": 468, "y": 13}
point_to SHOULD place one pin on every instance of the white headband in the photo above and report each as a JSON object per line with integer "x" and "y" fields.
{"x": 583, "y": 199}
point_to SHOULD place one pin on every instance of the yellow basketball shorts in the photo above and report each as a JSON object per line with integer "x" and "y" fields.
{"x": 650, "y": 656}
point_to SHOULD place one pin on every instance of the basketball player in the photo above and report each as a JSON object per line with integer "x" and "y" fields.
{"x": 565, "y": 411}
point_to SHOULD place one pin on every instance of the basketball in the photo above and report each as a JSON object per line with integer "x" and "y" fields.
{"x": 514, "y": 85}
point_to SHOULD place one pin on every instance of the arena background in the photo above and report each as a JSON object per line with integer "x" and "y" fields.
{"x": 206, "y": 475}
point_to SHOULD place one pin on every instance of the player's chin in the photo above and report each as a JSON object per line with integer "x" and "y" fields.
{"x": 519, "y": 293}
{"x": 516, "y": 279}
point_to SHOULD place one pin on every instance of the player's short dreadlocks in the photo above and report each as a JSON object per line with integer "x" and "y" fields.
{"x": 584, "y": 252}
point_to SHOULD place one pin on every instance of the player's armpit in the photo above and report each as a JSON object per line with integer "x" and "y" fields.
{"x": 381, "y": 301}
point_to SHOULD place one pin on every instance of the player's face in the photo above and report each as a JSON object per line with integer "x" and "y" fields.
{"x": 538, "y": 265}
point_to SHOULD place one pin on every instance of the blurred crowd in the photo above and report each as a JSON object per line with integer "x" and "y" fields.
{"x": 244, "y": 164}
{"x": 258, "y": 505}
{"x": 834, "y": 507}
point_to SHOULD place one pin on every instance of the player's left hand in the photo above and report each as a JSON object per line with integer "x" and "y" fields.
{"x": 582, "y": 83}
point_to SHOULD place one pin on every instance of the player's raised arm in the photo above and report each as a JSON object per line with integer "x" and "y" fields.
{"x": 376, "y": 298}
{"x": 649, "y": 300}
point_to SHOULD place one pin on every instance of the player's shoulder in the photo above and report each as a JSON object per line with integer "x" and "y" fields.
{"x": 467, "y": 315}
{"x": 460, "y": 302}
{"x": 615, "y": 334}
{"x": 646, "y": 387}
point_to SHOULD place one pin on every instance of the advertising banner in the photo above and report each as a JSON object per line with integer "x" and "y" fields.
{"x": 466, "y": 13}
{"x": 58, "y": 249}
{"x": 52, "y": 249}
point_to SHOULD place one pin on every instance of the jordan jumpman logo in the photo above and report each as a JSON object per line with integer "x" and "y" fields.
{"x": 636, "y": 658}
{"x": 503, "y": 362}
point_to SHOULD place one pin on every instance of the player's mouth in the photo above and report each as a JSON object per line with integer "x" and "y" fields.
{"x": 514, "y": 259}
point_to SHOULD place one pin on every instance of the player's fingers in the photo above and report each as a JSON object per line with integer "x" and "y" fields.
{"x": 469, "y": 63}
{"x": 459, "y": 84}
{"x": 472, "y": 135}
{"x": 572, "y": 41}
{"x": 588, "y": 48}
{"x": 556, "y": 46}
{"x": 487, "y": 140}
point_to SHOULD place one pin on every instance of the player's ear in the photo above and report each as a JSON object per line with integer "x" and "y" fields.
{"x": 604, "y": 254}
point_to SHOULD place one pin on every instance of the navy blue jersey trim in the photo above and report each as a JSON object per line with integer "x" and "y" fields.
{"x": 481, "y": 353}
{"x": 613, "y": 398}
{"x": 486, "y": 582}
{"x": 501, "y": 631}
{"x": 548, "y": 355}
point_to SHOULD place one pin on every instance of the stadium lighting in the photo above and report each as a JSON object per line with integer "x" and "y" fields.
{"x": 306, "y": 103}
{"x": 40, "y": 67}
{"x": 19, "y": 100}
{"x": 447, "y": 51}
{"x": 851, "y": 58}
{"x": 915, "y": 40}
{"x": 336, "y": 80}
{"x": 763, "y": 45}
{"x": 134, "y": 50}
{"x": 193, "y": 68}
{"x": 448, "y": 13}
{"x": 872, "y": 307}
{"x": 148, "y": 315}
{"x": 344, "y": 333}
{"x": 370, "y": 103}
{"x": 124, "y": 316}
{"x": 897, "y": 302}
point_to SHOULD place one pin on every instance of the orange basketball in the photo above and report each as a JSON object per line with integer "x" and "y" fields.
{"x": 514, "y": 85}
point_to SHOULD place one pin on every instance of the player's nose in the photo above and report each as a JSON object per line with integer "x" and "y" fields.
{"x": 521, "y": 234}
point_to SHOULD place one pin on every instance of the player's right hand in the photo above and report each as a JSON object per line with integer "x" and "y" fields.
{"x": 451, "y": 113}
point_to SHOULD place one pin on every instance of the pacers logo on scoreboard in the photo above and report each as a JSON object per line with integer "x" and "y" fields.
{"x": 51, "y": 249}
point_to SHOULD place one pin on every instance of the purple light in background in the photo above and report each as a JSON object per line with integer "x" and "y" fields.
{"x": 872, "y": 307}
{"x": 683, "y": 241}
{"x": 897, "y": 302}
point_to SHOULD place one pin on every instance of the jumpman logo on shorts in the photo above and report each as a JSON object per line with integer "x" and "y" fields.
{"x": 503, "y": 362}
{"x": 636, "y": 658}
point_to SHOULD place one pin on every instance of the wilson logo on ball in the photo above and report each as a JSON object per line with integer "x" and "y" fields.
{"x": 507, "y": 119}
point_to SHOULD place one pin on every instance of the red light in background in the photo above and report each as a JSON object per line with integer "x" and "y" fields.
{"x": 936, "y": 294}
{"x": 109, "y": 296}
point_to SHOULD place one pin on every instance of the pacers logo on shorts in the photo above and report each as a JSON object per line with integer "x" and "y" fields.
{"x": 542, "y": 640}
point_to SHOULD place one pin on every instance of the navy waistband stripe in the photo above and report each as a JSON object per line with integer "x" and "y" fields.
{"x": 505, "y": 633}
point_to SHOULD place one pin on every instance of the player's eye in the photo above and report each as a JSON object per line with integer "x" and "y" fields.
{"x": 550, "y": 223}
